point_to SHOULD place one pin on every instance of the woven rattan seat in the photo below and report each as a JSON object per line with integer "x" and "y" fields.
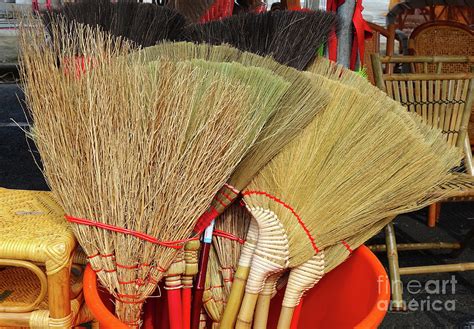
{"x": 33, "y": 228}
{"x": 37, "y": 249}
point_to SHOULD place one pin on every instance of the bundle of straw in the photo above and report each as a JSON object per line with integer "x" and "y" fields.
{"x": 230, "y": 233}
{"x": 214, "y": 295}
{"x": 385, "y": 162}
{"x": 277, "y": 34}
{"x": 118, "y": 155}
{"x": 144, "y": 24}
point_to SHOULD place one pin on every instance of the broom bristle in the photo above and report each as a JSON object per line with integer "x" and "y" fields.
{"x": 277, "y": 34}
{"x": 101, "y": 171}
{"x": 144, "y": 24}
{"x": 357, "y": 144}
{"x": 213, "y": 297}
{"x": 235, "y": 221}
{"x": 296, "y": 109}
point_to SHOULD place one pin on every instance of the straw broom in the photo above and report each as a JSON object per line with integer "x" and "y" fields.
{"x": 263, "y": 99}
{"x": 260, "y": 94}
{"x": 277, "y": 34}
{"x": 297, "y": 108}
{"x": 213, "y": 297}
{"x": 144, "y": 24}
{"x": 96, "y": 188}
{"x": 316, "y": 178}
{"x": 230, "y": 233}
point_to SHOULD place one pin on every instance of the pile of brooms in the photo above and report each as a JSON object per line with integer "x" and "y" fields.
{"x": 145, "y": 148}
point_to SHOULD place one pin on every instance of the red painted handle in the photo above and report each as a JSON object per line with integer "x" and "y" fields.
{"x": 175, "y": 308}
{"x": 200, "y": 284}
{"x": 187, "y": 297}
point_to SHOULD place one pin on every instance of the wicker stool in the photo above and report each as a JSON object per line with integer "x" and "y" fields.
{"x": 36, "y": 252}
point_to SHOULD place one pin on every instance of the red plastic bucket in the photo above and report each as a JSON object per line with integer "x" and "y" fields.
{"x": 354, "y": 295}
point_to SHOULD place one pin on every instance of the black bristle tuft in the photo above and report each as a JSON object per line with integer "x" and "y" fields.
{"x": 290, "y": 37}
{"x": 144, "y": 24}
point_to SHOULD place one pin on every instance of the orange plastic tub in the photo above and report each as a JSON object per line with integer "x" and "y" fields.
{"x": 354, "y": 295}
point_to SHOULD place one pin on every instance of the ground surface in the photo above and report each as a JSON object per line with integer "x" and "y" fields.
{"x": 18, "y": 170}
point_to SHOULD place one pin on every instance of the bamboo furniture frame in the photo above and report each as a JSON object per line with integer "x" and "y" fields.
{"x": 372, "y": 46}
{"x": 445, "y": 38}
{"x": 38, "y": 249}
{"x": 443, "y": 100}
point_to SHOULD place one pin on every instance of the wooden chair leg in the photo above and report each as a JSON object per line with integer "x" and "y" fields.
{"x": 432, "y": 211}
{"x": 59, "y": 295}
{"x": 395, "y": 281}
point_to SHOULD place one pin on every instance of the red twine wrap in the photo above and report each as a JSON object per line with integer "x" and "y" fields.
{"x": 228, "y": 235}
{"x": 298, "y": 218}
{"x": 178, "y": 244}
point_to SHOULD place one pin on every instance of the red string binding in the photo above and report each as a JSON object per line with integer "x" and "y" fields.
{"x": 300, "y": 221}
{"x": 178, "y": 244}
{"x": 347, "y": 246}
{"x": 228, "y": 235}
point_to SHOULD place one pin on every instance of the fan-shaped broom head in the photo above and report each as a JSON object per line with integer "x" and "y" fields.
{"x": 357, "y": 167}
{"x": 296, "y": 109}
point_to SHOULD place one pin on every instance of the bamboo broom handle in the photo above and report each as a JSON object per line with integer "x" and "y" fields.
{"x": 240, "y": 278}
{"x": 244, "y": 320}
{"x": 271, "y": 256}
{"x": 301, "y": 279}
{"x": 264, "y": 299}
{"x": 296, "y": 315}
{"x": 286, "y": 315}
{"x": 235, "y": 298}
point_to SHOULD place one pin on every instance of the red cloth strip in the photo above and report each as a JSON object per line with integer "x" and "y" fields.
{"x": 229, "y": 236}
{"x": 178, "y": 244}
{"x": 300, "y": 221}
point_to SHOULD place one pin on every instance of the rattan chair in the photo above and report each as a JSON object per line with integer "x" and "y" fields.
{"x": 443, "y": 38}
{"x": 444, "y": 101}
{"x": 37, "y": 250}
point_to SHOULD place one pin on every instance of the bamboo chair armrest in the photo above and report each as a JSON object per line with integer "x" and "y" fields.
{"x": 468, "y": 156}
